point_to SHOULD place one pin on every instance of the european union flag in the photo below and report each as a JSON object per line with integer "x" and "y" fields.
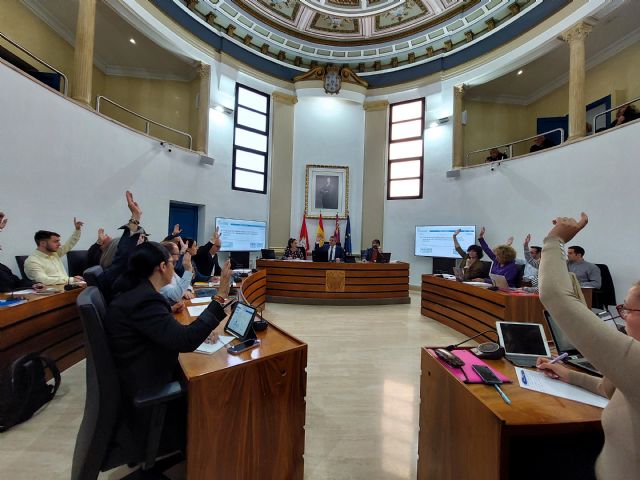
{"x": 347, "y": 237}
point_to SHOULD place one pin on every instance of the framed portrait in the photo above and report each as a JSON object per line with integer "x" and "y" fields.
{"x": 327, "y": 191}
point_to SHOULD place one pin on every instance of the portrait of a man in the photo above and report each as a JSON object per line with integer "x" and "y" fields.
{"x": 326, "y": 192}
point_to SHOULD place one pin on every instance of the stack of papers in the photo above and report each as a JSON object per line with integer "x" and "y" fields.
{"x": 210, "y": 348}
{"x": 539, "y": 382}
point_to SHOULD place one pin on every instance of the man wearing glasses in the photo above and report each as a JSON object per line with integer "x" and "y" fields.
{"x": 180, "y": 287}
{"x": 206, "y": 259}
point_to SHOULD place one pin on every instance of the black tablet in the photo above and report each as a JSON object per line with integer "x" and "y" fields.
{"x": 241, "y": 321}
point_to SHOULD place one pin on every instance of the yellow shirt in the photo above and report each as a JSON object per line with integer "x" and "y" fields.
{"x": 48, "y": 268}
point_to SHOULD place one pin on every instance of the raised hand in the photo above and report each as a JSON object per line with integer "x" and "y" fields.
{"x": 481, "y": 235}
{"x": 3, "y": 220}
{"x": 457, "y": 232}
{"x": 565, "y": 228}
{"x": 182, "y": 246}
{"x": 216, "y": 236}
{"x": 101, "y": 236}
{"x": 176, "y": 230}
{"x": 134, "y": 208}
{"x": 509, "y": 241}
{"x": 77, "y": 224}
{"x": 186, "y": 262}
{"x": 225, "y": 280}
{"x": 527, "y": 239}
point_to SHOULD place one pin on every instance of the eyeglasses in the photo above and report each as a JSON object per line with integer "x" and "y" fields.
{"x": 624, "y": 311}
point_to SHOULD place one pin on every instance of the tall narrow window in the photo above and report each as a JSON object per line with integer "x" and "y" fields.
{"x": 406, "y": 150}
{"x": 250, "y": 140}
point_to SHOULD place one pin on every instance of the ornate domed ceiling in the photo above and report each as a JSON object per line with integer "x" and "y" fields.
{"x": 386, "y": 41}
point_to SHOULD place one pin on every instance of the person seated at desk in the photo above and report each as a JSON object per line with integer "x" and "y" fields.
{"x": 206, "y": 258}
{"x": 45, "y": 264}
{"x": 335, "y": 253}
{"x": 532, "y": 257}
{"x": 471, "y": 264}
{"x": 504, "y": 260}
{"x": 144, "y": 337}
{"x": 179, "y": 287}
{"x": 614, "y": 354}
{"x": 587, "y": 273}
{"x": 292, "y": 252}
{"x": 9, "y": 281}
{"x": 95, "y": 252}
{"x": 373, "y": 254}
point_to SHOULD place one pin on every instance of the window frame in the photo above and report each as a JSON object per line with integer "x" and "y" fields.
{"x": 404, "y": 140}
{"x": 236, "y": 148}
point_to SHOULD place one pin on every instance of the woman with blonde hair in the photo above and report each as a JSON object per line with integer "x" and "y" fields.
{"x": 504, "y": 260}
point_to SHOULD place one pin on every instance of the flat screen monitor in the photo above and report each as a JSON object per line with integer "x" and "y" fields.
{"x": 437, "y": 240}
{"x": 239, "y": 235}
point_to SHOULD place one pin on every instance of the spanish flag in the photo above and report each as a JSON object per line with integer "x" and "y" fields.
{"x": 320, "y": 232}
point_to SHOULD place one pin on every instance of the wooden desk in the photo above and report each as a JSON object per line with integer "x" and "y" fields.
{"x": 246, "y": 413}
{"x": 336, "y": 283}
{"x": 469, "y": 432}
{"x": 471, "y": 310}
{"x": 47, "y": 324}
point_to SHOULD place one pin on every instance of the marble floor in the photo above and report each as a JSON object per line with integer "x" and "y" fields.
{"x": 362, "y": 397}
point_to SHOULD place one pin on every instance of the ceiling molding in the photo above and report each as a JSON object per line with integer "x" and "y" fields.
{"x": 143, "y": 73}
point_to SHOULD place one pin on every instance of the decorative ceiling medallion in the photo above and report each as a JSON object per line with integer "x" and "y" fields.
{"x": 332, "y": 77}
{"x": 326, "y": 23}
{"x": 284, "y": 8}
{"x": 410, "y": 11}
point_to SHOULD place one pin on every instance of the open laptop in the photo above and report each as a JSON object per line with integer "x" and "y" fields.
{"x": 459, "y": 273}
{"x": 499, "y": 280}
{"x": 384, "y": 257}
{"x": 523, "y": 343}
{"x": 564, "y": 345}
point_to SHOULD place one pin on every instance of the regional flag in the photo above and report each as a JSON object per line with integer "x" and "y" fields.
{"x": 347, "y": 237}
{"x": 320, "y": 232}
{"x": 304, "y": 235}
{"x": 336, "y": 232}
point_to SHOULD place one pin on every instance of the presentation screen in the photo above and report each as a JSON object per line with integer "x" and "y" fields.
{"x": 437, "y": 240}
{"x": 241, "y": 235}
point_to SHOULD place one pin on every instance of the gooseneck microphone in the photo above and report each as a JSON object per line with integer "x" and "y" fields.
{"x": 451, "y": 347}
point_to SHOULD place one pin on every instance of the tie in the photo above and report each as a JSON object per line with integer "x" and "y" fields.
{"x": 331, "y": 257}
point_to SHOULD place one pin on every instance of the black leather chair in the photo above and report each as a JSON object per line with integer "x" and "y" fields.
{"x": 20, "y": 261}
{"x": 104, "y": 440}
{"x": 91, "y": 275}
{"x": 77, "y": 262}
{"x": 268, "y": 254}
{"x": 303, "y": 252}
{"x": 520, "y": 274}
{"x": 486, "y": 268}
{"x": 605, "y": 295}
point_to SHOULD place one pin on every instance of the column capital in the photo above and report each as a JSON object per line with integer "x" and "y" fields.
{"x": 459, "y": 90}
{"x": 204, "y": 70}
{"x": 579, "y": 32}
{"x": 376, "y": 105}
{"x": 284, "y": 98}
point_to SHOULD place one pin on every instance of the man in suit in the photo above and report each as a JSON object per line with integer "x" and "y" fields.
{"x": 335, "y": 253}
{"x": 206, "y": 259}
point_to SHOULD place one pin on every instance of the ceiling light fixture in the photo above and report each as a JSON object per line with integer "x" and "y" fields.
{"x": 132, "y": 40}
{"x": 520, "y": 72}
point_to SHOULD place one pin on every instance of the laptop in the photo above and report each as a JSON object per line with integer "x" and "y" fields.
{"x": 383, "y": 257}
{"x": 564, "y": 345}
{"x": 523, "y": 343}
{"x": 268, "y": 254}
{"x": 458, "y": 272}
{"x": 499, "y": 280}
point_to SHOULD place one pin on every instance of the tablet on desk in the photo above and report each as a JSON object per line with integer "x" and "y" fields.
{"x": 523, "y": 342}
{"x": 240, "y": 324}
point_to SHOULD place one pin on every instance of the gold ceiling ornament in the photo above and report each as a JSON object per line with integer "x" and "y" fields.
{"x": 332, "y": 77}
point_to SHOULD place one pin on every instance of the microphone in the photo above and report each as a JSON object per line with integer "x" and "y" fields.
{"x": 451, "y": 347}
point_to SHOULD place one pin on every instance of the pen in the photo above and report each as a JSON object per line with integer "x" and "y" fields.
{"x": 503, "y": 395}
{"x": 523, "y": 377}
{"x": 559, "y": 358}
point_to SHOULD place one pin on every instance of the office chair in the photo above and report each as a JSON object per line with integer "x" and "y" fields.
{"x": 519, "y": 274}
{"x": 91, "y": 275}
{"x": 20, "y": 261}
{"x": 104, "y": 440}
{"x": 77, "y": 262}
{"x": 606, "y": 294}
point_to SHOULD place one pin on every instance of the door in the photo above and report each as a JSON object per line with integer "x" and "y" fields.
{"x": 545, "y": 124}
{"x": 187, "y": 216}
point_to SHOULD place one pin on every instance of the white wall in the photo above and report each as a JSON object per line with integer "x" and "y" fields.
{"x": 328, "y": 131}
{"x": 599, "y": 175}
{"x": 59, "y": 160}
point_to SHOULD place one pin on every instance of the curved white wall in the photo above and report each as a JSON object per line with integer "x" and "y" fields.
{"x": 59, "y": 160}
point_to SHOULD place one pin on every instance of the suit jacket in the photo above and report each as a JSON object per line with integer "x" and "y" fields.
{"x": 367, "y": 256}
{"x": 325, "y": 248}
{"x": 9, "y": 282}
{"x": 205, "y": 263}
{"x": 145, "y": 338}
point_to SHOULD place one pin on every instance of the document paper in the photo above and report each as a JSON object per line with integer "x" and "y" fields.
{"x": 539, "y": 382}
{"x": 210, "y": 348}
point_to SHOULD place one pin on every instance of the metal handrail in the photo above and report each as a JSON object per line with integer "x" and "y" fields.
{"x": 595, "y": 119}
{"x": 147, "y": 120}
{"x": 66, "y": 81}
{"x": 510, "y": 145}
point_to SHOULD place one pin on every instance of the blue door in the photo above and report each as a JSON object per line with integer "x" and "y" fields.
{"x": 545, "y": 124}
{"x": 187, "y": 216}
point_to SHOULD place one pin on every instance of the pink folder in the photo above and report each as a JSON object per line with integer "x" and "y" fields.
{"x": 469, "y": 360}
